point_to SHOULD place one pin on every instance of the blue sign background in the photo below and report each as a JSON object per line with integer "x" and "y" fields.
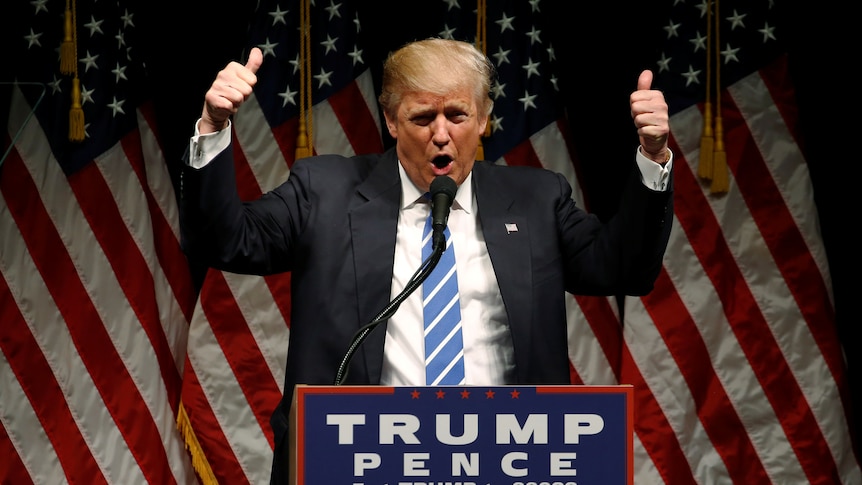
{"x": 603, "y": 458}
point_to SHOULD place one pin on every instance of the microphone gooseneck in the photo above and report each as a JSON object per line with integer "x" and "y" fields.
{"x": 442, "y": 193}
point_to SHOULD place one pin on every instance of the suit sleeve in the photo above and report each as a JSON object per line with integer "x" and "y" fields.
{"x": 623, "y": 256}
{"x": 220, "y": 230}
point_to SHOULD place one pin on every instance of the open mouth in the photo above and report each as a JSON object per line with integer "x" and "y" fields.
{"x": 442, "y": 161}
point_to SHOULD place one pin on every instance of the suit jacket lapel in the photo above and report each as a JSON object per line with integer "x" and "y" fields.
{"x": 507, "y": 237}
{"x": 373, "y": 224}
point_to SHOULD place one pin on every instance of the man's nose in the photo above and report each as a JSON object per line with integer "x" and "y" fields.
{"x": 440, "y": 130}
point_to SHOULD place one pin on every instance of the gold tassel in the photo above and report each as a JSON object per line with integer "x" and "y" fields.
{"x": 199, "y": 459}
{"x": 67, "y": 48}
{"x": 302, "y": 149}
{"x": 76, "y": 113}
{"x": 480, "y": 151}
{"x": 720, "y": 182}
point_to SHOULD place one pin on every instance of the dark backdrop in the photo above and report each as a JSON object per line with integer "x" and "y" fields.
{"x": 606, "y": 44}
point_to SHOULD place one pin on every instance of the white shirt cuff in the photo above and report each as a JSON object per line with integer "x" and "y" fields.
{"x": 654, "y": 175}
{"x": 203, "y": 148}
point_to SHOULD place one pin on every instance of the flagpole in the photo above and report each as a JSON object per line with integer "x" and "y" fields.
{"x": 707, "y": 142}
{"x": 304, "y": 144}
{"x": 719, "y": 160}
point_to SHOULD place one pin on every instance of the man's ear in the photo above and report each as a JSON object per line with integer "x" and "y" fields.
{"x": 391, "y": 126}
{"x": 483, "y": 125}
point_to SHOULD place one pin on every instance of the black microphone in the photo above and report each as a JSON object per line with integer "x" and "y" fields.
{"x": 442, "y": 192}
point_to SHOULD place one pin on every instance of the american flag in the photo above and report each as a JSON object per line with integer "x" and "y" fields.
{"x": 738, "y": 372}
{"x": 238, "y": 341}
{"x": 95, "y": 293}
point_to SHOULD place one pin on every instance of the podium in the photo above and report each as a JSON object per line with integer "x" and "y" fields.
{"x": 462, "y": 435}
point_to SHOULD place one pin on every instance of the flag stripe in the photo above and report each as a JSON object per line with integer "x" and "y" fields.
{"x": 794, "y": 255}
{"x": 135, "y": 278}
{"x": 12, "y": 469}
{"x": 603, "y": 323}
{"x": 360, "y": 126}
{"x": 88, "y": 329}
{"x": 523, "y": 154}
{"x": 747, "y": 322}
{"x": 41, "y": 388}
{"x": 691, "y": 211}
{"x": 644, "y": 468}
{"x": 91, "y": 259}
{"x": 98, "y": 348}
{"x": 122, "y": 169}
{"x": 549, "y": 143}
{"x": 240, "y": 350}
{"x": 747, "y": 265}
{"x": 155, "y": 181}
{"x": 692, "y": 359}
{"x": 254, "y": 140}
{"x": 246, "y": 181}
{"x": 650, "y": 422}
{"x": 54, "y": 264}
{"x": 257, "y": 305}
{"x": 221, "y": 462}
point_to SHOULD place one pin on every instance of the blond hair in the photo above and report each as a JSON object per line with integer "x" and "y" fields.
{"x": 437, "y": 66}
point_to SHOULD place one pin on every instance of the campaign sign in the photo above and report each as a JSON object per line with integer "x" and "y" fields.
{"x": 462, "y": 435}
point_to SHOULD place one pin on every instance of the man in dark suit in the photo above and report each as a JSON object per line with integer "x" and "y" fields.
{"x": 349, "y": 230}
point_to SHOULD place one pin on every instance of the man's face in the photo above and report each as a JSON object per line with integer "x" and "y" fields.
{"x": 437, "y": 135}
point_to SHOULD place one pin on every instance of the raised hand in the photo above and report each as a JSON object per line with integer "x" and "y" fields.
{"x": 650, "y": 114}
{"x": 232, "y": 86}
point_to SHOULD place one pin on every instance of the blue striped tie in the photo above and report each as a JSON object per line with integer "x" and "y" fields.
{"x": 444, "y": 346}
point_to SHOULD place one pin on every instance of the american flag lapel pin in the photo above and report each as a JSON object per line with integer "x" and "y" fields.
{"x": 510, "y": 228}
